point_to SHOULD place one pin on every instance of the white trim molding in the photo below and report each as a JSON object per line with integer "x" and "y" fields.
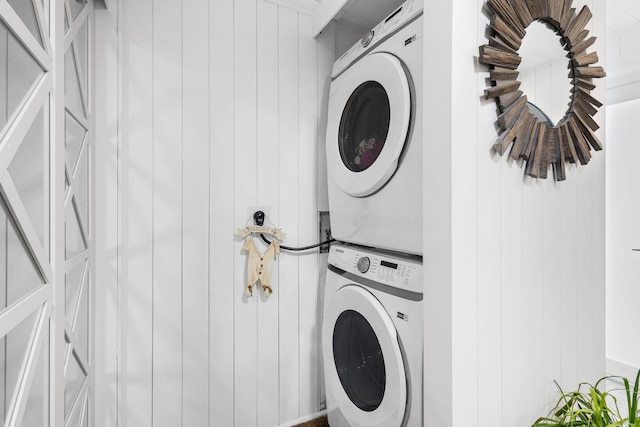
{"x": 304, "y": 419}
{"x": 307, "y": 7}
{"x": 619, "y": 369}
{"x": 324, "y": 14}
{"x": 623, "y": 92}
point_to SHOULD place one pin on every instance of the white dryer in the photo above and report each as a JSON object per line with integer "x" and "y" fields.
{"x": 374, "y": 136}
{"x": 372, "y": 339}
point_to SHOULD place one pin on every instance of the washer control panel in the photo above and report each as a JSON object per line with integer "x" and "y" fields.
{"x": 389, "y": 269}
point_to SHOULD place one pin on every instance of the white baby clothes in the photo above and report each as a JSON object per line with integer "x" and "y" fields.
{"x": 259, "y": 265}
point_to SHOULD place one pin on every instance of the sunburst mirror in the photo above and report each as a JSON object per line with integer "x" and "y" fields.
{"x": 540, "y": 143}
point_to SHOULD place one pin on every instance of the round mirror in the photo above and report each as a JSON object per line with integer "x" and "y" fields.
{"x": 544, "y": 76}
{"x": 539, "y": 62}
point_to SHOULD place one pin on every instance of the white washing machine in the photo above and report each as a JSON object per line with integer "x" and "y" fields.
{"x": 374, "y": 136}
{"x": 372, "y": 339}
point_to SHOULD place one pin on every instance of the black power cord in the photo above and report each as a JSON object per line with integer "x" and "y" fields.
{"x": 258, "y": 219}
{"x": 303, "y": 248}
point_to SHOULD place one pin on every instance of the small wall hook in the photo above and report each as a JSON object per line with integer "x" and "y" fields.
{"x": 258, "y": 218}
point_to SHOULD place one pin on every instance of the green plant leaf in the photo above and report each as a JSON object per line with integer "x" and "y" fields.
{"x": 633, "y": 410}
{"x": 595, "y": 407}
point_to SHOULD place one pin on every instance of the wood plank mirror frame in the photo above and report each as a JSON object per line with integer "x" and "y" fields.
{"x": 538, "y": 145}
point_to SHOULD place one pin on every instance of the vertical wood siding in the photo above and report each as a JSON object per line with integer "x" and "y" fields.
{"x": 135, "y": 204}
{"x": 229, "y": 114}
{"x": 219, "y": 112}
{"x": 106, "y": 101}
{"x": 623, "y": 234}
{"x": 525, "y": 302}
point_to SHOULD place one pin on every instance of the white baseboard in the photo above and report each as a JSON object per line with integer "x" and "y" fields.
{"x": 620, "y": 369}
{"x": 304, "y": 419}
{"x": 623, "y": 93}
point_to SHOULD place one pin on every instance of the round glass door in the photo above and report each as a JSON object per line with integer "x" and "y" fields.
{"x": 363, "y": 360}
{"x": 368, "y": 123}
{"x": 364, "y": 126}
{"x": 359, "y": 360}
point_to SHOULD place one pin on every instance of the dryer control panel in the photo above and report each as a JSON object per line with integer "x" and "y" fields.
{"x": 388, "y": 269}
{"x": 398, "y": 19}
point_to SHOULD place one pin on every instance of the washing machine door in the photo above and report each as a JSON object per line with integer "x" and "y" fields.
{"x": 367, "y": 124}
{"x": 367, "y": 376}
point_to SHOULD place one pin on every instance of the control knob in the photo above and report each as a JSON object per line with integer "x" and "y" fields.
{"x": 363, "y": 264}
{"x": 366, "y": 39}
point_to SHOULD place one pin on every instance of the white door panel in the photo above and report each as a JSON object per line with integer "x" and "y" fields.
{"x": 40, "y": 216}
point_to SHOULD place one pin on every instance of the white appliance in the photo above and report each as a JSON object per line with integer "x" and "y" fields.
{"x": 372, "y": 338}
{"x": 374, "y": 136}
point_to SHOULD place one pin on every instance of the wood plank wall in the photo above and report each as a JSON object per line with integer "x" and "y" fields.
{"x": 514, "y": 288}
{"x": 220, "y": 109}
{"x": 514, "y": 268}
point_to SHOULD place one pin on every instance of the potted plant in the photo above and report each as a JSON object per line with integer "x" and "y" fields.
{"x": 591, "y": 406}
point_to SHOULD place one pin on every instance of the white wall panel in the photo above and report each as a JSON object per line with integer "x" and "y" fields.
{"x": 167, "y": 213}
{"x": 529, "y": 308}
{"x": 489, "y": 251}
{"x": 106, "y": 252}
{"x": 308, "y": 116}
{"x": 596, "y": 364}
{"x": 512, "y": 291}
{"x": 195, "y": 212}
{"x": 4, "y": 78}
{"x": 326, "y": 57}
{"x": 623, "y": 232}
{"x": 552, "y": 304}
{"x": 464, "y": 263}
{"x": 135, "y": 215}
{"x": 245, "y": 178}
{"x": 438, "y": 214}
{"x": 268, "y": 192}
{"x": 219, "y": 112}
{"x": 289, "y": 172}
{"x": 222, "y": 287}
{"x": 569, "y": 289}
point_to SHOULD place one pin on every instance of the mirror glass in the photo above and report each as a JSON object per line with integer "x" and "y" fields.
{"x": 543, "y": 71}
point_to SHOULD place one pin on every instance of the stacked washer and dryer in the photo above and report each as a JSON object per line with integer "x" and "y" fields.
{"x": 372, "y": 334}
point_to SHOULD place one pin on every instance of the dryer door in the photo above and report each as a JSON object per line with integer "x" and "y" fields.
{"x": 367, "y": 124}
{"x": 367, "y": 376}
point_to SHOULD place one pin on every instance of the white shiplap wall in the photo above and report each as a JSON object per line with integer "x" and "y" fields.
{"x": 623, "y": 235}
{"x": 514, "y": 287}
{"x": 514, "y": 267}
{"x": 220, "y": 108}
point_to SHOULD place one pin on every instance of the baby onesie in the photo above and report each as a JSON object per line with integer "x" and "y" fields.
{"x": 259, "y": 265}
